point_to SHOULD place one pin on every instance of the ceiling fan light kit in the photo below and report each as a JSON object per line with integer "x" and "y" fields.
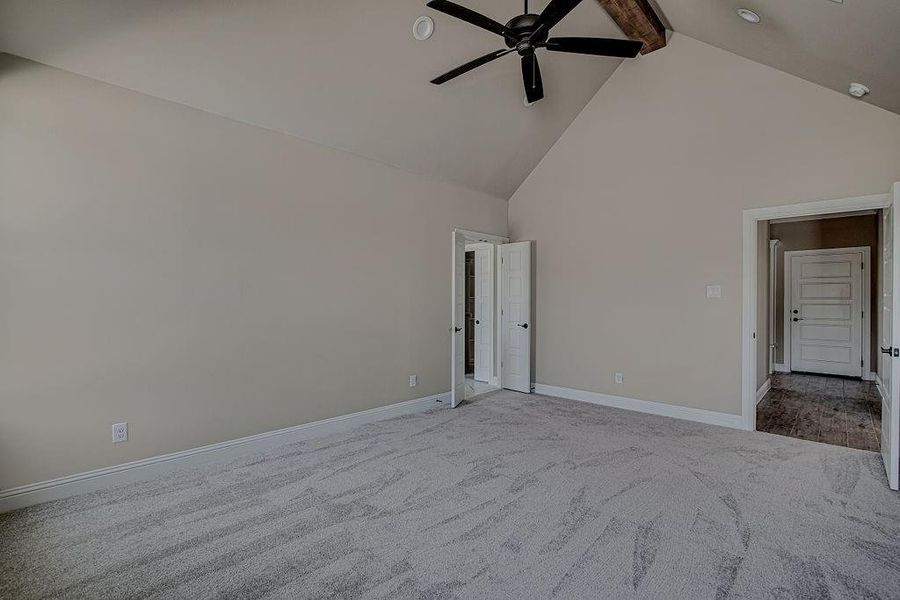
{"x": 526, "y": 33}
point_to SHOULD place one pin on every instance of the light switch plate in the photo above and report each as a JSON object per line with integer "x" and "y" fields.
{"x": 412, "y": 381}
{"x": 714, "y": 291}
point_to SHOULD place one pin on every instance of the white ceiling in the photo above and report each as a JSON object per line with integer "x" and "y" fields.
{"x": 346, "y": 74}
{"x": 829, "y": 43}
{"x": 349, "y": 74}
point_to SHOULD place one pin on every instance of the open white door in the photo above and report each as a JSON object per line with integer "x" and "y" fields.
{"x": 484, "y": 312}
{"x": 515, "y": 316}
{"x": 457, "y": 322}
{"x": 890, "y": 364}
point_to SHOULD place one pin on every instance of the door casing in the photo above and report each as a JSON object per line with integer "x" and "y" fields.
{"x": 749, "y": 273}
{"x": 475, "y": 237}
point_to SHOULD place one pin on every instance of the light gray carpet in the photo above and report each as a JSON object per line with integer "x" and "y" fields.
{"x": 511, "y": 496}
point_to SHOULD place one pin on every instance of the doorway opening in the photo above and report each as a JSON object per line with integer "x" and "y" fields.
{"x": 822, "y": 336}
{"x": 479, "y": 335}
{"x": 491, "y": 334}
{"x": 818, "y": 300}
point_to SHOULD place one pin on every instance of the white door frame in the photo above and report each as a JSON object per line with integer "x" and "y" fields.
{"x": 866, "y": 284}
{"x": 749, "y": 274}
{"x": 475, "y": 237}
{"x": 773, "y": 278}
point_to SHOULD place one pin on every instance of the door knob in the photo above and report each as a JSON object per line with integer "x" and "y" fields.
{"x": 477, "y": 322}
{"x": 522, "y": 325}
{"x": 457, "y": 329}
{"x": 796, "y": 319}
{"x": 887, "y": 350}
{"x": 795, "y": 311}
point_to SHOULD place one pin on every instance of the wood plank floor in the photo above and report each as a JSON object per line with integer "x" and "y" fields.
{"x": 831, "y": 410}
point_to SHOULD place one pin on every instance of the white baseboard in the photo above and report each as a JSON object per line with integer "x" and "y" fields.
{"x": 645, "y": 406}
{"x": 763, "y": 390}
{"x": 147, "y": 468}
{"x": 870, "y": 376}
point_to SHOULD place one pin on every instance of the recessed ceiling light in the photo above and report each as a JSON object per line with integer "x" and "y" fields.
{"x": 423, "y": 28}
{"x": 748, "y": 15}
{"x": 858, "y": 90}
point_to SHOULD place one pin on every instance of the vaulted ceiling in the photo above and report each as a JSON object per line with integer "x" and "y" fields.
{"x": 350, "y": 75}
{"x": 823, "y": 41}
{"x": 346, "y": 74}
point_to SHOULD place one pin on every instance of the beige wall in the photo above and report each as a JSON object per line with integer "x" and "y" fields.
{"x": 845, "y": 232}
{"x": 200, "y": 278}
{"x": 638, "y": 207}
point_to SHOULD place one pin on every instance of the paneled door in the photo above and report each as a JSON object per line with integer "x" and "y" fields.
{"x": 484, "y": 311}
{"x": 826, "y": 313}
{"x": 457, "y": 322}
{"x": 515, "y": 316}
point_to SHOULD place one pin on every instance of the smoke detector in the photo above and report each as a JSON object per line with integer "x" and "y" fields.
{"x": 858, "y": 90}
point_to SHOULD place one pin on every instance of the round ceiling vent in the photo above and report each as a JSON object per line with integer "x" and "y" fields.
{"x": 423, "y": 28}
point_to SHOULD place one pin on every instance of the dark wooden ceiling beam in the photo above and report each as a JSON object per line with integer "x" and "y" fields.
{"x": 638, "y": 21}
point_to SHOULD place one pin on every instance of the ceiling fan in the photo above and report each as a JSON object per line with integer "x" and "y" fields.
{"x": 526, "y": 33}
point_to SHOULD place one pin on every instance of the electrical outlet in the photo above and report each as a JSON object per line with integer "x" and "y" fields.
{"x": 620, "y": 377}
{"x": 412, "y": 381}
{"x": 119, "y": 432}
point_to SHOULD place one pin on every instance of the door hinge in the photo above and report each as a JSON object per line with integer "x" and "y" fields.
{"x": 862, "y": 266}
{"x": 860, "y": 362}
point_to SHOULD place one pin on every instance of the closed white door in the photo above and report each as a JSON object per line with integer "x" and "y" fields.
{"x": 826, "y": 313}
{"x": 890, "y": 365}
{"x": 515, "y": 318}
{"x": 484, "y": 309}
{"x": 457, "y": 322}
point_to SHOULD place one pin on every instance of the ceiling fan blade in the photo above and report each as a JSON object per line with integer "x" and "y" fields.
{"x": 595, "y": 46}
{"x": 470, "y": 16}
{"x": 531, "y": 77}
{"x": 481, "y": 60}
{"x": 554, "y": 13}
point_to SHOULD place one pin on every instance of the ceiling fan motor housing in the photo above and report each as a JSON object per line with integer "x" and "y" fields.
{"x": 524, "y": 25}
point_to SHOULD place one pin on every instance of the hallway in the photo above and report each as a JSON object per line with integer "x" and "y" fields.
{"x": 819, "y": 408}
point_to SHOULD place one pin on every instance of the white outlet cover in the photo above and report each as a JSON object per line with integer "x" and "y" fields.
{"x": 714, "y": 291}
{"x": 412, "y": 380}
{"x": 620, "y": 378}
{"x": 119, "y": 432}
